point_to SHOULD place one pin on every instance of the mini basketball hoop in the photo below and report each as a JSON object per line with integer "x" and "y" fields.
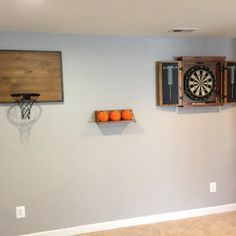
{"x": 25, "y": 102}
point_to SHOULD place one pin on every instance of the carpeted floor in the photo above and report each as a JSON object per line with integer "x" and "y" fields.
{"x": 212, "y": 225}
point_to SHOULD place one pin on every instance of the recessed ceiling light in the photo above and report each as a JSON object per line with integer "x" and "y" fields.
{"x": 183, "y": 30}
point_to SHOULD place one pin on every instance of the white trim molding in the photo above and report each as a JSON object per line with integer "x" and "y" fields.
{"x": 137, "y": 221}
{"x": 58, "y": 232}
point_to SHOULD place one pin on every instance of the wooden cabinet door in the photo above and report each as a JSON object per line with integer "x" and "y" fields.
{"x": 169, "y": 83}
{"x": 230, "y": 82}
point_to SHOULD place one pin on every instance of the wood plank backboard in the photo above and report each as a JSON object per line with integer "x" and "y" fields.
{"x": 31, "y": 72}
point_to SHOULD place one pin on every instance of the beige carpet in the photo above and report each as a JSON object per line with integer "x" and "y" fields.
{"x": 212, "y": 225}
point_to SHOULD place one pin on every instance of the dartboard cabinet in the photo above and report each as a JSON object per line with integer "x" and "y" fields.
{"x": 196, "y": 81}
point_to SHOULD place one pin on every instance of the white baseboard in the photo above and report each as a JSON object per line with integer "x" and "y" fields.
{"x": 58, "y": 232}
{"x": 137, "y": 221}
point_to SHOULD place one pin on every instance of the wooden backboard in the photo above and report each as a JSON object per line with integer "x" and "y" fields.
{"x": 31, "y": 72}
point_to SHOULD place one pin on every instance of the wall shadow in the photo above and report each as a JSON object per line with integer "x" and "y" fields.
{"x": 227, "y": 107}
{"x": 191, "y": 110}
{"x": 194, "y": 110}
{"x": 167, "y": 109}
{"x": 120, "y": 128}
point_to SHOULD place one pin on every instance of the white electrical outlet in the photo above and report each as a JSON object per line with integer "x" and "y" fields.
{"x": 212, "y": 187}
{"x": 20, "y": 212}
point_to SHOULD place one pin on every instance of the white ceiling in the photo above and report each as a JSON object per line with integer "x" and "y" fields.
{"x": 120, "y": 17}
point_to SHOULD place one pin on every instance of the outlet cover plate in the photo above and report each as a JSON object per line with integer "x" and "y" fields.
{"x": 212, "y": 187}
{"x": 20, "y": 212}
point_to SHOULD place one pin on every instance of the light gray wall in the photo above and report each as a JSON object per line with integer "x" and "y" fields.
{"x": 73, "y": 172}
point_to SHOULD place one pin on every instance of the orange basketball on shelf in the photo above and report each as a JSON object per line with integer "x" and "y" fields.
{"x": 127, "y": 115}
{"x": 115, "y": 116}
{"x": 102, "y": 116}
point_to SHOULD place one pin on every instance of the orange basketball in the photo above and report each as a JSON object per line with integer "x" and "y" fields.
{"x": 127, "y": 115}
{"x": 115, "y": 116}
{"x": 102, "y": 116}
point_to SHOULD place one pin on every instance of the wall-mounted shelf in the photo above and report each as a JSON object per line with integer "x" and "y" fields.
{"x": 126, "y": 115}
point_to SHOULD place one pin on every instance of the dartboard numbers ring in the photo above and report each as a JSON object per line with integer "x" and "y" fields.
{"x": 199, "y": 83}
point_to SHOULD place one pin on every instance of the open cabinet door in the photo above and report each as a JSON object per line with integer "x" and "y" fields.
{"x": 169, "y": 83}
{"x": 230, "y": 82}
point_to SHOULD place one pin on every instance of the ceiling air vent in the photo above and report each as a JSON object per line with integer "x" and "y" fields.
{"x": 183, "y": 30}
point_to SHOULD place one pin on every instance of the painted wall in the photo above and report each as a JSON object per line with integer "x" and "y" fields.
{"x": 73, "y": 172}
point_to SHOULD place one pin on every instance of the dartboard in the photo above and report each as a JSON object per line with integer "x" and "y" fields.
{"x": 199, "y": 83}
